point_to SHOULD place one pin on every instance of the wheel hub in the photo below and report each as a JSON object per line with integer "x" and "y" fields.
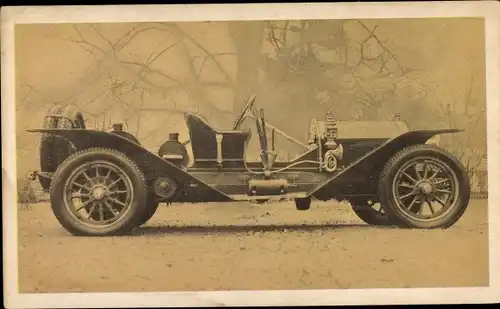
{"x": 165, "y": 187}
{"x": 426, "y": 187}
{"x": 98, "y": 193}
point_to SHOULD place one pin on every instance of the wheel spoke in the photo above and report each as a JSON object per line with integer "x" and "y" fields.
{"x": 407, "y": 195}
{"x": 441, "y": 181}
{"x": 431, "y": 207}
{"x": 118, "y": 192}
{"x": 80, "y": 186}
{"x": 84, "y": 204}
{"x": 91, "y": 210}
{"x": 415, "y": 198}
{"x": 440, "y": 201}
{"x": 421, "y": 204}
{"x": 87, "y": 177}
{"x": 426, "y": 166}
{"x": 79, "y": 194}
{"x": 114, "y": 183}
{"x": 109, "y": 207}
{"x": 101, "y": 212}
{"x": 435, "y": 173}
{"x": 443, "y": 191}
{"x": 117, "y": 202}
{"x": 411, "y": 178}
{"x": 419, "y": 177}
{"x": 97, "y": 172}
{"x": 403, "y": 185}
{"x": 106, "y": 178}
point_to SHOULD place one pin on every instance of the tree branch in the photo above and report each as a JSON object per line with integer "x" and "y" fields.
{"x": 99, "y": 33}
{"x": 210, "y": 55}
{"x": 372, "y": 34}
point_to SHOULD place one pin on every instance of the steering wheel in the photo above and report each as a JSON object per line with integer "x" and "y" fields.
{"x": 239, "y": 120}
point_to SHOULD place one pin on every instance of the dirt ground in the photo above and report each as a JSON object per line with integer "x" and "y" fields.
{"x": 248, "y": 247}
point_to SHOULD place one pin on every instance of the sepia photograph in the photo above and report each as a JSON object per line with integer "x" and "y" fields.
{"x": 287, "y": 154}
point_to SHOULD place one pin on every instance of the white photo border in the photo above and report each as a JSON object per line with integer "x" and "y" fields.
{"x": 489, "y": 10}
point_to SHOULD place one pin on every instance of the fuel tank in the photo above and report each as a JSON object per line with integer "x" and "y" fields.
{"x": 174, "y": 151}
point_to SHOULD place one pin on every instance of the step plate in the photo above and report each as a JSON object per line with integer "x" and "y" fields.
{"x": 244, "y": 197}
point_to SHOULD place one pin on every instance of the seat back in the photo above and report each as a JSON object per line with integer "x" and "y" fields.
{"x": 204, "y": 141}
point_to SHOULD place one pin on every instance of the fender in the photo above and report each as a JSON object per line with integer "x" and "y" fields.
{"x": 376, "y": 158}
{"x": 149, "y": 162}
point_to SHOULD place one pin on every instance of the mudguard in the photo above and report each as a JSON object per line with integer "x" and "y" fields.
{"x": 150, "y": 163}
{"x": 376, "y": 158}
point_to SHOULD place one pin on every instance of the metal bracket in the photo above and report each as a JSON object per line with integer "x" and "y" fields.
{"x": 218, "y": 138}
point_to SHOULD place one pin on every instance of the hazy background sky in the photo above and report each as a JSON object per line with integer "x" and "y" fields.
{"x": 432, "y": 71}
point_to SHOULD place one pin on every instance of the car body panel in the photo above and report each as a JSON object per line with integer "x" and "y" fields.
{"x": 374, "y": 159}
{"x": 209, "y": 180}
{"x": 151, "y": 164}
{"x": 370, "y": 130}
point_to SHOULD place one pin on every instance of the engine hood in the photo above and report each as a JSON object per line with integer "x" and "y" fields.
{"x": 370, "y": 129}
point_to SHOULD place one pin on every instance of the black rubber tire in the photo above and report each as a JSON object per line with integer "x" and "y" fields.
{"x": 369, "y": 215}
{"x": 303, "y": 203}
{"x": 55, "y": 149}
{"x": 151, "y": 208}
{"x": 123, "y": 225}
{"x": 389, "y": 172}
{"x": 45, "y": 183}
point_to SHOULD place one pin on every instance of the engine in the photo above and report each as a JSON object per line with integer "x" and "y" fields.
{"x": 174, "y": 151}
{"x": 324, "y": 133}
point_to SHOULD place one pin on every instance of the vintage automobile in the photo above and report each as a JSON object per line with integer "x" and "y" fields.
{"x": 106, "y": 183}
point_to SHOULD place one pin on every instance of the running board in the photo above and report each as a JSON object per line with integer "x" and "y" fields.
{"x": 244, "y": 197}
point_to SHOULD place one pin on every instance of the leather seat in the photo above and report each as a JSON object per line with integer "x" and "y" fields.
{"x": 204, "y": 141}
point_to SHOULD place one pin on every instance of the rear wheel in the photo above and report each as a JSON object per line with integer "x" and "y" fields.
{"x": 98, "y": 192}
{"x": 423, "y": 186}
{"x": 370, "y": 212}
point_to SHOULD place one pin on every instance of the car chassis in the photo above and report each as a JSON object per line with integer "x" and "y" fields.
{"x": 106, "y": 183}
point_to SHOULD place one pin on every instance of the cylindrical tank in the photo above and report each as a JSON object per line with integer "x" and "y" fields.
{"x": 118, "y": 130}
{"x": 173, "y": 151}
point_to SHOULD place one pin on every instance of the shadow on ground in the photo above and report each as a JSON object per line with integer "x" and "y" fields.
{"x": 149, "y": 230}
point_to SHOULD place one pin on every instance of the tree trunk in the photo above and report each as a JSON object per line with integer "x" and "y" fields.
{"x": 247, "y": 37}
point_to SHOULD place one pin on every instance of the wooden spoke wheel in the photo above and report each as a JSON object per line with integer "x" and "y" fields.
{"x": 98, "y": 192}
{"x": 423, "y": 186}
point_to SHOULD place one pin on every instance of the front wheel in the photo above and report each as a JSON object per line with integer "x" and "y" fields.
{"x": 98, "y": 192}
{"x": 423, "y": 186}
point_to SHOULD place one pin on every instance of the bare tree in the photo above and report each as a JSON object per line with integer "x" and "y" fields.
{"x": 319, "y": 65}
{"x": 135, "y": 85}
{"x": 305, "y": 66}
